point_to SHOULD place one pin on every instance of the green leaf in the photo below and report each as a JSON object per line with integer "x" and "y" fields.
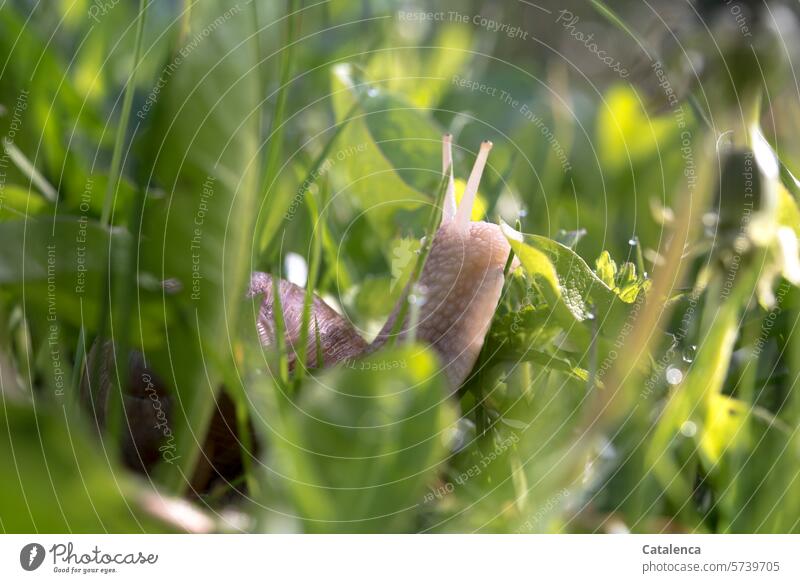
{"x": 725, "y": 428}
{"x": 788, "y": 214}
{"x": 391, "y": 152}
{"x": 204, "y": 140}
{"x": 18, "y": 201}
{"x": 570, "y": 286}
{"x": 64, "y": 248}
{"x": 606, "y": 269}
{"x": 59, "y": 481}
{"x": 625, "y": 131}
{"x": 364, "y": 440}
{"x": 628, "y": 284}
{"x": 48, "y": 113}
{"x": 60, "y": 265}
{"x": 423, "y": 74}
{"x": 410, "y": 142}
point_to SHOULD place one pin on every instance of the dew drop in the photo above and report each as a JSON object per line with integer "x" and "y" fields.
{"x": 674, "y": 375}
{"x": 522, "y": 213}
{"x": 633, "y": 241}
{"x": 172, "y": 285}
{"x": 710, "y": 220}
{"x": 689, "y": 428}
{"x": 418, "y": 295}
{"x": 372, "y": 92}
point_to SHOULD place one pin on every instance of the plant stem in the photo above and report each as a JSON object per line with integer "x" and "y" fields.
{"x": 311, "y": 282}
{"x": 120, "y": 351}
{"x": 430, "y": 232}
{"x": 122, "y": 129}
{"x": 275, "y": 146}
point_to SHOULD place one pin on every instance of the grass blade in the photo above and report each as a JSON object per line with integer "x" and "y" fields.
{"x": 430, "y": 232}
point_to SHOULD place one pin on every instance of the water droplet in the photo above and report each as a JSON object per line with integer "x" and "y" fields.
{"x": 523, "y": 213}
{"x": 710, "y": 220}
{"x": 418, "y": 295}
{"x": 689, "y": 428}
{"x": 633, "y": 241}
{"x": 461, "y": 434}
{"x": 674, "y": 375}
{"x": 172, "y": 285}
{"x": 587, "y": 472}
{"x": 688, "y": 354}
{"x": 372, "y": 92}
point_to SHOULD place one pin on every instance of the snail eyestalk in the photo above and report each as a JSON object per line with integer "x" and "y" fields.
{"x": 449, "y": 208}
{"x": 468, "y": 200}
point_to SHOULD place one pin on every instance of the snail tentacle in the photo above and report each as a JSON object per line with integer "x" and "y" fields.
{"x": 449, "y": 210}
{"x": 464, "y": 210}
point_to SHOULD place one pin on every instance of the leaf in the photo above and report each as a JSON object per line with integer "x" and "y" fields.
{"x": 390, "y": 153}
{"x": 788, "y": 214}
{"x": 48, "y": 112}
{"x": 204, "y": 141}
{"x": 725, "y": 428}
{"x": 689, "y": 404}
{"x": 626, "y": 133}
{"x": 17, "y": 202}
{"x": 363, "y": 441}
{"x": 66, "y": 247}
{"x": 606, "y": 269}
{"x": 423, "y": 74}
{"x": 59, "y": 481}
{"x": 409, "y": 142}
{"x": 570, "y": 285}
{"x": 628, "y": 285}
{"x": 60, "y": 266}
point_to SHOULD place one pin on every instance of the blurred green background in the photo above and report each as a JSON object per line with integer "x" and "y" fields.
{"x": 641, "y": 371}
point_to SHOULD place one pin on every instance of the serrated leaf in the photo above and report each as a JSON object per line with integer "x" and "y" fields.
{"x": 606, "y": 269}
{"x": 570, "y": 285}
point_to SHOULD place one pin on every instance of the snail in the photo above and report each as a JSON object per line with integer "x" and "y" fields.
{"x": 461, "y": 281}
